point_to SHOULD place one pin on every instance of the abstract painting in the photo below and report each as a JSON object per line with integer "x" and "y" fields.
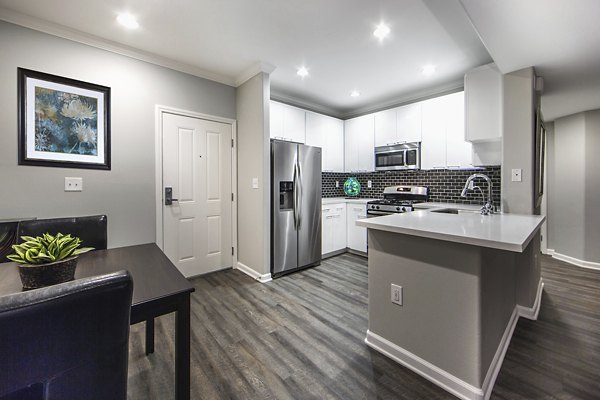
{"x": 63, "y": 122}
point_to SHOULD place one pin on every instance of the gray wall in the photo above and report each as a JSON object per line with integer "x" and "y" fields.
{"x": 566, "y": 214}
{"x": 592, "y": 186}
{"x": 518, "y": 151}
{"x": 126, "y": 193}
{"x": 254, "y": 162}
{"x": 573, "y": 187}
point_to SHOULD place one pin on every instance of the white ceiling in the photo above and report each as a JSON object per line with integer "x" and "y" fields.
{"x": 560, "y": 38}
{"x": 225, "y": 39}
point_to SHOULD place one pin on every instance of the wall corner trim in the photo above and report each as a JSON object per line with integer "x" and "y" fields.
{"x": 533, "y": 311}
{"x": 254, "y": 69}
{"x": 262, "y": 278}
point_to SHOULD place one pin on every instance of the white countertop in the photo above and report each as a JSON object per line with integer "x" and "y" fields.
{"x": 511, "y": 232}
{"x": 332, "y": 200}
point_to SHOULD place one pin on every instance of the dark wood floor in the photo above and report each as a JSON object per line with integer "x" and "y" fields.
{"x": 302, "y": 337}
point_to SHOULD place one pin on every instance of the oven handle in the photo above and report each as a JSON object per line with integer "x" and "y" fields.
{"x": 379, "y": 213}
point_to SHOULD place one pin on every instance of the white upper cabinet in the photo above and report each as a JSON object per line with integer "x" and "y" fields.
{"x": 443, "y": 144}
{"x": 385, "y": 128}
{"x": 398, "y": 125}
{"x": 287, "y": 122}
{"x": 433, "y": 144}
{"x": 483, "y": 104}
{"x": 328, "y": 134}
{"x": 458, "y": 150}
{"x": 359, "y": 144}
{"x": 409, "y": 123}
{"x": 276, "y": 120}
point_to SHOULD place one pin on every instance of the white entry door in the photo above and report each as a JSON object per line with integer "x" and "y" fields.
{"x": 197, "y": 167}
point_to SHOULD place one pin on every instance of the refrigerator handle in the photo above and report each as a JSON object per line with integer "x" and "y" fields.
{"x": 295, "y": 195}
{"x": 300, "y": 194}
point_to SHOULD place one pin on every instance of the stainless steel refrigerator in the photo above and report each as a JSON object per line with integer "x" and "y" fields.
{"x": 296, "y": 207}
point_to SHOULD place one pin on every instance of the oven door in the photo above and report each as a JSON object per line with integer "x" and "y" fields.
{"x": 377, "y": 213}
{"x": 389, "y": 160}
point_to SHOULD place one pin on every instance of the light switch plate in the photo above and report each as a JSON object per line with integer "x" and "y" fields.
{"x": 73, "y": 184}
{"x": 337, "y": 184}
{"x": 254, "y": 183}
{"x": 517, "y": 175}
{"x": 369, "y": 184}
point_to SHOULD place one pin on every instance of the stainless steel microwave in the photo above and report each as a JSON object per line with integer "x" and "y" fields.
{"x": 398, "y": 156}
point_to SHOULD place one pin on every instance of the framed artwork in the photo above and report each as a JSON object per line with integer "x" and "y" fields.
{"x": 63, "y": 122}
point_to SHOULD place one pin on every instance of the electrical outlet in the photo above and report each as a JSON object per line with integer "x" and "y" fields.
{"x": 337, "y": 184}
{"x": 397, "y": 294}
{"x": 369, "y": 184}
{"x": 73, "y": 184}
{"x": 517, "y": 175}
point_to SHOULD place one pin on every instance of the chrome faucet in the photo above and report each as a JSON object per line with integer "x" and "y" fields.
{"x": 488, "y": 207}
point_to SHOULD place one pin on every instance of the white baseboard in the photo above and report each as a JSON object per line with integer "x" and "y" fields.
{"x": 438, "y": 376}
{"x": 533, "y": 311}
{"x": 446, "y": 380}
{"x": 575, "y": 261}
{"x": 494, "y": 369}
{"x": 549, "y": 252}
{"x": 262, "y": 278}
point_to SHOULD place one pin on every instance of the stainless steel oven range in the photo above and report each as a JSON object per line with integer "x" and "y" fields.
{"x": 397, "y": 200}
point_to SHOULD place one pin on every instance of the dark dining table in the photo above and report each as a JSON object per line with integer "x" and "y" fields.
{"x": 158, "y": 288}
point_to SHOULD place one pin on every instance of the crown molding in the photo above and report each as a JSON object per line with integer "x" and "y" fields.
{"x": 407, "y": 98}
{"x": 254, "y": 69}
{"x": 74, "y": 35}
{"x": 291, "y": 100}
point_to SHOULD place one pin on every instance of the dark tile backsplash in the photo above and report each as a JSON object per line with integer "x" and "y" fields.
{"x": 444, "y": 185}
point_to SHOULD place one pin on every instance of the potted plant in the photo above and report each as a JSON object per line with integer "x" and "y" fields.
{"x": 47, "y": 260}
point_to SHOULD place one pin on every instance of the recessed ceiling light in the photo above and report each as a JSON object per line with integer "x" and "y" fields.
{"x": 354, "y": 93}
{"x": 302, "y": 71}
{"x": 381, "y": 31}
{"x": 128, "y": 21}
{"x": 428, "y": 70}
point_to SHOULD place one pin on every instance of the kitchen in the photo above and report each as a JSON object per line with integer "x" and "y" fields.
{"x": 465, "y": 101}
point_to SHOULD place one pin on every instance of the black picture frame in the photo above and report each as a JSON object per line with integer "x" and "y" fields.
{"x": 43, "y": 127}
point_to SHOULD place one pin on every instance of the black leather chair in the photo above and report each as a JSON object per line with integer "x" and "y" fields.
{"x": 91, "y": 230}
{"x": 68, "y": 341}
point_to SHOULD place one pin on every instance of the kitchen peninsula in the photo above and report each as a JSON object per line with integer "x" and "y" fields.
{"x": 465, "y": 279}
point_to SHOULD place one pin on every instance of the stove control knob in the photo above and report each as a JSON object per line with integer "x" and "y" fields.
{"x": 403, "y": 209}
{"x": 397, "y": 208}
{"x": 377, "y": 207}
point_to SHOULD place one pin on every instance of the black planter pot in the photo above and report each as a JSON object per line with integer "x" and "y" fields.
{"x": 37, "y": 276}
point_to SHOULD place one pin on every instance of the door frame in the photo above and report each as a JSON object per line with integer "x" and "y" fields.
{"x": 160, "y": 110}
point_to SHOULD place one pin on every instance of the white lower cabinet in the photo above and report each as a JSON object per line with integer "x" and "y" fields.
{"x": 333, "y": 224}
{"x": 357, "y": 235}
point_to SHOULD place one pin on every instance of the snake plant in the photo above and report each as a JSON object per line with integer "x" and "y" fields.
{"x": 47, "y": 249}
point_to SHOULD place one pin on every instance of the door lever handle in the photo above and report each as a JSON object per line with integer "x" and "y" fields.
{"x": 169, "y": 196}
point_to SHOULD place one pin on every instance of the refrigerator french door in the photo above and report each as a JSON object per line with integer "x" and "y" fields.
{"x": 296, "y": 206}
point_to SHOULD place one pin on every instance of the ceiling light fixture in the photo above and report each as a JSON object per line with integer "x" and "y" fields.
{"x": 302, "y": 71}
{"x": 128, "y": 21}
{"x": 354, "y": 93}
{"x": 428, "y": 70}
{"x": 381, "y": 31}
